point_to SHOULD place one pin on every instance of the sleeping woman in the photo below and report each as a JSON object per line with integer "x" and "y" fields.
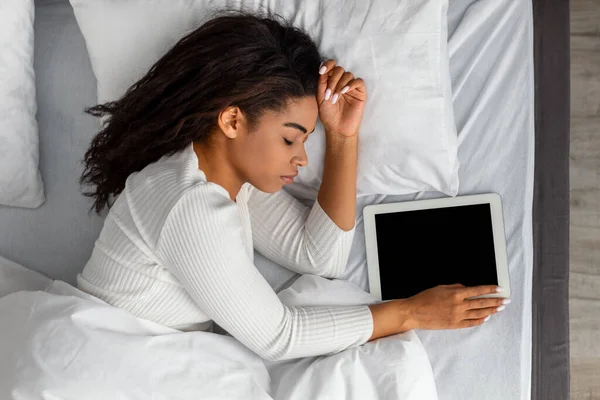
{"x": 191, "y": 162}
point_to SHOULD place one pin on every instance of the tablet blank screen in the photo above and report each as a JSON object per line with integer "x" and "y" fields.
{"x": 425, "y": 248}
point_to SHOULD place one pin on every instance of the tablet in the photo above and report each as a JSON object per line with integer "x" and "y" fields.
{"x": 416, "y": 245}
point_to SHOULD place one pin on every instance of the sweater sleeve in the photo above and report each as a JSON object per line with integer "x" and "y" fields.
{"x": 302, "y": 239}
{"x": 202, "y": 244}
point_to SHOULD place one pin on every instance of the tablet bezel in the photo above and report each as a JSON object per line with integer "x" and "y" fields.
{"x": 493, "y": 199}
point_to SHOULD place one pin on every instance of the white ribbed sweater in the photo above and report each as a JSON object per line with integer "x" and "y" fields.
{"x": 176, "y": 250}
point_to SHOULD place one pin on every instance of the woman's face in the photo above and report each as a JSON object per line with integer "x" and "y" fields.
{"x": 269, "y": 156}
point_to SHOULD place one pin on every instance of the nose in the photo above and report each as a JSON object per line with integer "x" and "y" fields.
{"x": 301, "y": 159}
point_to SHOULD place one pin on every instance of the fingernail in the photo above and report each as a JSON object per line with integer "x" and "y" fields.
{"x": 499, "y": 289}
{"x": 506, "y": 301}
{"x": 322, "y": 70}
{"x": 486, "y": 319}
{"x": 327, "y": 94}
{"x": 500, "y": 308}
{"x": 345, "y": 89}
{"x": 335, "y": 97}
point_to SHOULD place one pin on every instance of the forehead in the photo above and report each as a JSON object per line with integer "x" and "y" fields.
{"x": 303, "y": 111}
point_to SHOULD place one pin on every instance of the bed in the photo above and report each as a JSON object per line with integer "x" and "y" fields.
{"x": 507, "y": 145}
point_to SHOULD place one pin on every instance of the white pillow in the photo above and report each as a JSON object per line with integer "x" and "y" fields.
{"x": 408, "y": 140}
{"x": 20, "y": 180}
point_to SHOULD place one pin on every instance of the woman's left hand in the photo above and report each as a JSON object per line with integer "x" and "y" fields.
{"x": 341, "y": 99}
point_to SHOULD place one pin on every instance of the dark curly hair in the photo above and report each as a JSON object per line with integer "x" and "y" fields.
{"x": 255, "y": 62}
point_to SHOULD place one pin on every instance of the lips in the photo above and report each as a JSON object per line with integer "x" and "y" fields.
{"x": 287, "y": 179}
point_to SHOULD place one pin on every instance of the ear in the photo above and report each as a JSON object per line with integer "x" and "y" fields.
{"x": 230, "y": 122}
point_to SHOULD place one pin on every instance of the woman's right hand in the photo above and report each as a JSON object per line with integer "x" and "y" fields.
{"x": 449, "y": 306}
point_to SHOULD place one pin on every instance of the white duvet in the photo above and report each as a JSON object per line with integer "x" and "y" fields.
{"x": 64, "y": 344}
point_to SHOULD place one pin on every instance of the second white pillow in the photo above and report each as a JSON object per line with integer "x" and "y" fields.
{"x": 20, "y": 179}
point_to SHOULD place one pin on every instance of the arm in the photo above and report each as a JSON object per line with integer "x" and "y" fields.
{"x": 303, "y": 240}
{"x": 440, "y": 307}
{"x": 341, "y": 100}
{"x": 337, "y": 194}
{"x": 202, "y": 245}
{"x": 390, "y": 318}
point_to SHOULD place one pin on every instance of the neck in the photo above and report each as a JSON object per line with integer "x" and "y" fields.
{"x": 217, "y": 168}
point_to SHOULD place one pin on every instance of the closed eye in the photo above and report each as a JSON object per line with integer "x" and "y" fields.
{"x": 288, "y": 142}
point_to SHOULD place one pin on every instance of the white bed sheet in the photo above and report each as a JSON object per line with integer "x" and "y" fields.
{"x": 491, "y": 61}
{"x": 15, "y": 277}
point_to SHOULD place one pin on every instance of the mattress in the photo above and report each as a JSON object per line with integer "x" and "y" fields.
{"x": 490, "y": 43}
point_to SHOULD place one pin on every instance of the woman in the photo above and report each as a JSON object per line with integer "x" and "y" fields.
{"x": 196, "y": 153}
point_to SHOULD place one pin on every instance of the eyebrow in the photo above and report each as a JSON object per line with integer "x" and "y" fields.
{"x": 297, "y": 126}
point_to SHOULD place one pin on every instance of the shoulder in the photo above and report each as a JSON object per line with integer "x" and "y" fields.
{"x": 173, "y": 188}
{"x": 166, "y": 179}
{"x": 165, "y": 182}
{"x": 204, "y": 217}
{"x": 203, "y": 203}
